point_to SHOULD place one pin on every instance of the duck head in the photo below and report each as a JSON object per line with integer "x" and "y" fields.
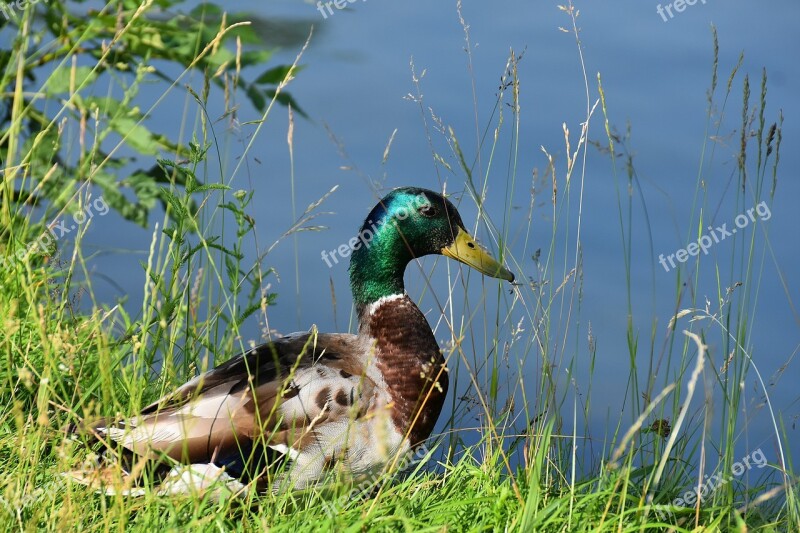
{"x": 406, "y": 224}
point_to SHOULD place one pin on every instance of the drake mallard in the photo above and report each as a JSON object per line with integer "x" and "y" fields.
{"x": 317, "y": 400}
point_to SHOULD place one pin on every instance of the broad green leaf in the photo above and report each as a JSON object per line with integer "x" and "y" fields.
{"x": 135, "y": 135}
{"x": 276, "y": 75}
{"x": 65, "y": 79}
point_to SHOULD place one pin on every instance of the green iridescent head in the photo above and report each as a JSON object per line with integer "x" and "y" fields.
{"x": 407, "y": 223}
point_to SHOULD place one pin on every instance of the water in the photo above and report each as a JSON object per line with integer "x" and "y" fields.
{"x": 655, "y": 75}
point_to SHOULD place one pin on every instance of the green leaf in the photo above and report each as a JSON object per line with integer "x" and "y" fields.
{"x": 179, "y": 211}
{"x": 146, "y": 190}
{"x": 286, "y": 99}
{"x": 110, "y": 191}
{"x": 220, "y": 57}
{"x": 66, "y": 79}
{"x": 256, "y": 96}
{"x": 276, "y": 75}
{"x": 255, "y": 57}
{"x": 136, "y": 135}
{"x": 211, "y": 186}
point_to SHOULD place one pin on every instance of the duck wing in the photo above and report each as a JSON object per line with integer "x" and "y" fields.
{"x": 278, "y": 396}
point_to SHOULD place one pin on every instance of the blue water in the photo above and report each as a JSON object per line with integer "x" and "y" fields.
{"x": 655, "y": 74}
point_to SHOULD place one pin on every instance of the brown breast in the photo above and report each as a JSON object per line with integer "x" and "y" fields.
{"x": 409, "y": 359}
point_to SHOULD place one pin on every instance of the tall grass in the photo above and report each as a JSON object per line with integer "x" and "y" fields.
{"x": 528, "y": 464}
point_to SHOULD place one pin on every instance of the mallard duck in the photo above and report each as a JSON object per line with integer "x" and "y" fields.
{"x": 314, "y": 401}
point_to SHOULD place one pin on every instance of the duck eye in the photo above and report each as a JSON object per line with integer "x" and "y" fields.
{"x": 427, "y": 210}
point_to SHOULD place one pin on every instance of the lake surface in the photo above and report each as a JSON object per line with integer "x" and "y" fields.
{"x": 655, "y": 74}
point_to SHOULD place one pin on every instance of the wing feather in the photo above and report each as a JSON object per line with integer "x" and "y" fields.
{"x": 278, "y": 393}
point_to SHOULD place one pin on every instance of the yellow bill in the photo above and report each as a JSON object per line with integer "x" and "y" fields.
{"x": 466, "y": 250}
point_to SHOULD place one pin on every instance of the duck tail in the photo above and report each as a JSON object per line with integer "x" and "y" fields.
{"x": 113, "y": 470}
{"x": 108, "y": 468}
{"x": 195, "y": 479}
{"x": 106, "y": 479}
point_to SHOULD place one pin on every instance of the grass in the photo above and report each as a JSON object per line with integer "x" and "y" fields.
{"x": 523, "y": 467}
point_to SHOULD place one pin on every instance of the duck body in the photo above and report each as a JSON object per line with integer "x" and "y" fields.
{"x": 288, "y": 412}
